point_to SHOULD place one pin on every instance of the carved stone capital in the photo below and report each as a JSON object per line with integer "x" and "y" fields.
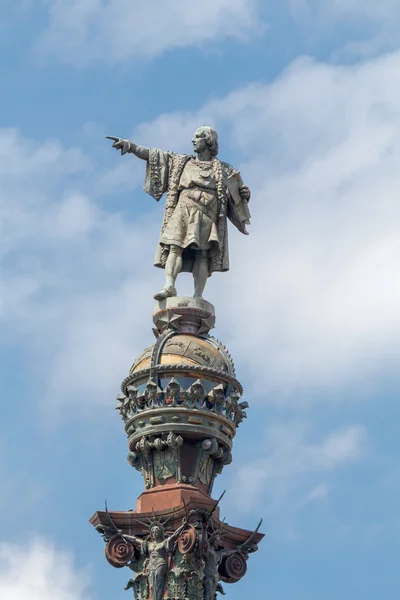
{"x": 185, "y": 559}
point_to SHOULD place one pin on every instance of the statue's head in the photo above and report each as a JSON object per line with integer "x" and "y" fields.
{"x": 156, "y": 533}
{"x": 205, "y": 137}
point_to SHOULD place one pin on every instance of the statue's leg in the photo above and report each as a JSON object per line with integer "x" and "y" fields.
{"x": 173, "y": 266}
{"x": 209, "y": 591}
{"x": 200, "y": 272}
{"x": 158, "y": 583}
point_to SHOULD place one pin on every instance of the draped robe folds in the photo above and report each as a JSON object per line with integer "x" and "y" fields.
{"x": 157, "y": 567}
{"x": 163, "y": 174}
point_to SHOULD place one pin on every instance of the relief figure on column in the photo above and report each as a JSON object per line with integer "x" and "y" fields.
{"x": 156, "y": 550}
{"x": 202, "y": 192}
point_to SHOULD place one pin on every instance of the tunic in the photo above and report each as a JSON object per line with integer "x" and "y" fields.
{"x": 193, "y": 222}
{"x": 201, "y": 195}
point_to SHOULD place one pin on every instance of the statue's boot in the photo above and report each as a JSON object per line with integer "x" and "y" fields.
{"x": 165, "y": 293}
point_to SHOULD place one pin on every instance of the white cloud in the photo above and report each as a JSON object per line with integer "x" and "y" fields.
{"x": 373, "y": 24}
{"x": 317, "y": 494}
{"x": 67, "y": 269}
{"x": 290, "y": 460}
{"x": 81, "y": 31}
{"x": 36, "y": 570}
{"x": 345, "y": 9}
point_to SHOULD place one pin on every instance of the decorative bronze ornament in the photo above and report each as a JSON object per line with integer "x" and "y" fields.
{"x": 233, "y": 568}
{"x": 119, "y": 552}
{"x": 187, "y": 540}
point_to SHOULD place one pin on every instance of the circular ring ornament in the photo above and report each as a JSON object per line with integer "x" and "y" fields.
{"x": 187, "y": 540}
{"x": 233, "y": 568}
{"x": 119, "y": 552}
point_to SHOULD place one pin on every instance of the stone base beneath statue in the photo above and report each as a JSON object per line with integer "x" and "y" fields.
{"x": 184, "y": 315}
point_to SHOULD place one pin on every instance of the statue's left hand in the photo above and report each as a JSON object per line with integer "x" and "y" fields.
{"x": 245, "y": 192}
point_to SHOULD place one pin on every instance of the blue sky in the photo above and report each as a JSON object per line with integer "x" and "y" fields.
{"x": 305, "y": 95}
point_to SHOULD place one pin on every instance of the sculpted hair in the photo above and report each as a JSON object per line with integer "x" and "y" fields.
{"x": 211, "y": 138}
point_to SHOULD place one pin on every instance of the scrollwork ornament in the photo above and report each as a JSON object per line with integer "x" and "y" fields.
{"x": 233, "y": 567}
{"x": 135, "y": 461}
{"x": 119, "y": 552}
{"x": 187, "y": 540}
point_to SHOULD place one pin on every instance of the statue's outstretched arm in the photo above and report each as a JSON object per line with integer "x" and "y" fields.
{"x": 127, "y": 146}
{"x": 178, "y": 532}
{"x": 132, "y": 538}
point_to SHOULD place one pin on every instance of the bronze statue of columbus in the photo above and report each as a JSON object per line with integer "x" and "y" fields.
{"x": 202, "y": 193}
